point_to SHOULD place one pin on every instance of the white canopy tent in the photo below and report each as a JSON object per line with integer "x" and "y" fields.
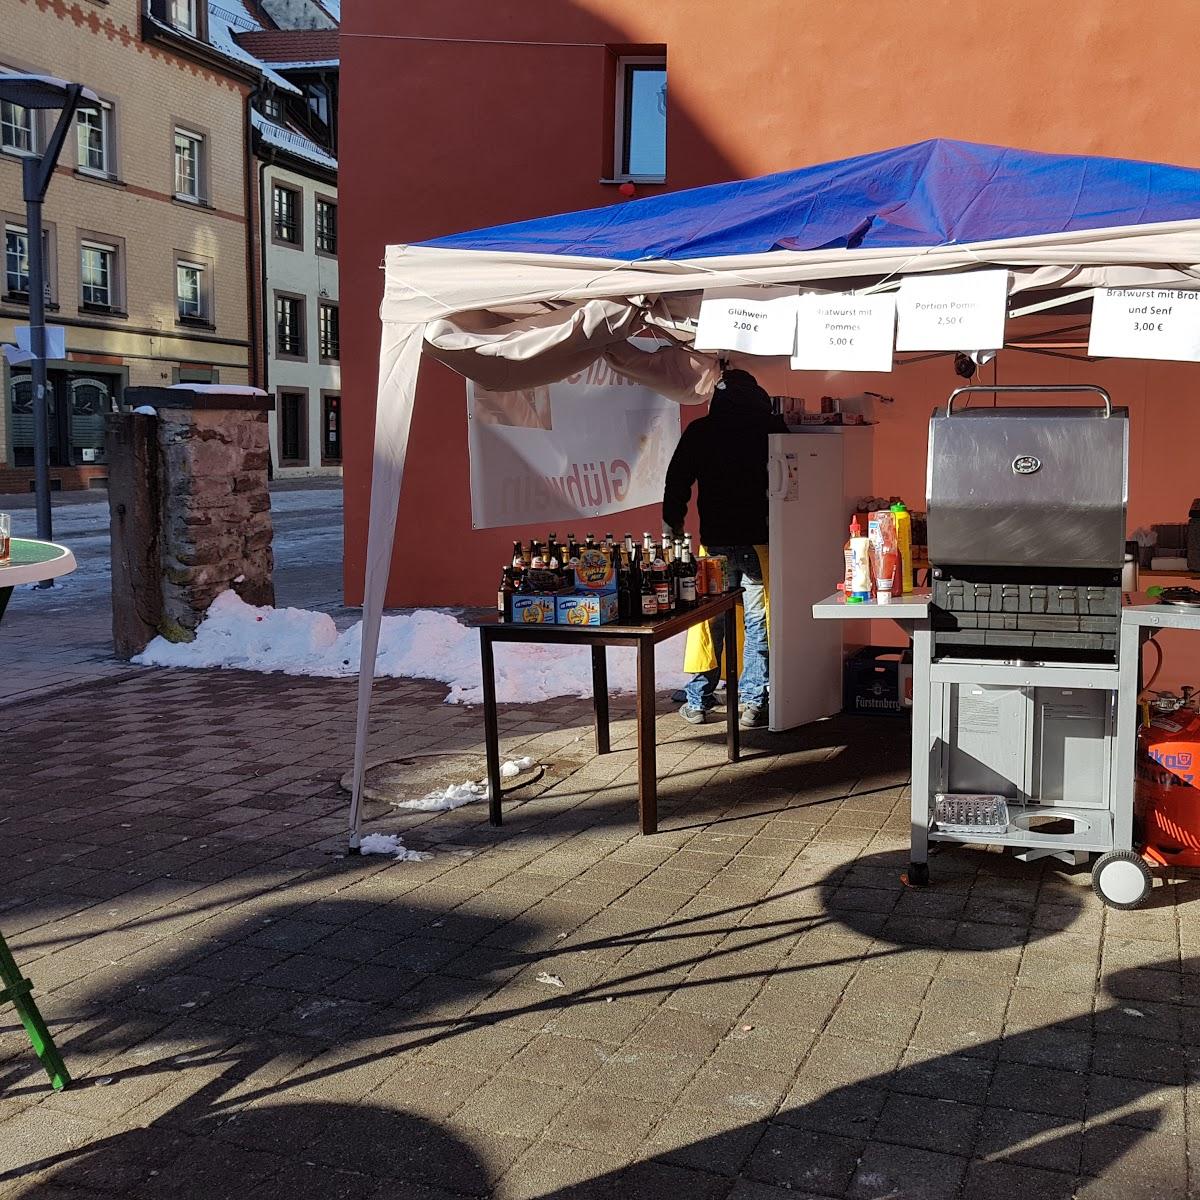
{"x": 516, "y": 318}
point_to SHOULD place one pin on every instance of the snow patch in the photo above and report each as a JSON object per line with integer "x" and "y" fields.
{"x": 516, "y": 766}
{"x": 390, "y": 843}
{"x": 425, "y": 644}
{"x": 454, "y": 796}
{"x": 145, "y": 410}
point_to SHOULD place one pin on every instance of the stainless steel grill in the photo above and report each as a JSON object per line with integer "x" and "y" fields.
{"x": 1027, "y": 527}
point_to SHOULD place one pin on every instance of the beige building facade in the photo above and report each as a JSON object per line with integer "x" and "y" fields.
{"x": 146, "y": 250}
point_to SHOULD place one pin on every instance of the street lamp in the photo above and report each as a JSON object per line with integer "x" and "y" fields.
{"x": 42, "y": 92}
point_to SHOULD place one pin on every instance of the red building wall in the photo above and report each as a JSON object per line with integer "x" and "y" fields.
{"x": 476, "y": 112}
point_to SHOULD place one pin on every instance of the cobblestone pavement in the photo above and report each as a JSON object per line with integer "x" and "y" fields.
{"x": 751, "y": 1008}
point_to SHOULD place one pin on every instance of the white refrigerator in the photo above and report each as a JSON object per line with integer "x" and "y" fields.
{"x": 816, "y": 478}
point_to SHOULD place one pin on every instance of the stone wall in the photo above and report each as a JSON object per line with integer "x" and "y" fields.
{"x": 205, "y": 489}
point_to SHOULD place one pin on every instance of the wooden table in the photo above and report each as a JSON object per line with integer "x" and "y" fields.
{"x": 644, "y": 636}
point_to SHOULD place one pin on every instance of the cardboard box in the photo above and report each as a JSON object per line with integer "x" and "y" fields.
{"x": 533, "y": 609}
{"x": 594, "y": 572}
{"x": 587, "y": 608}
{"x": 878, "y": 680}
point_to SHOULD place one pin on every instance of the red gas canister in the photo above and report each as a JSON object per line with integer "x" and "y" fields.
{"x": 1167, "y": 796}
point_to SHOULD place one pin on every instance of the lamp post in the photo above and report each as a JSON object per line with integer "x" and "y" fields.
{"x": 39, "y": 92}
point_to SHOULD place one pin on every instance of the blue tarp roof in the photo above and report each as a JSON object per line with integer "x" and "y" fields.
{"x": 927, "y": 194}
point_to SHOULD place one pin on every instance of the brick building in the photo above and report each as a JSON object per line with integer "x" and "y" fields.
{"x": 146, "y": 248}
{"x": 152, "y": 244}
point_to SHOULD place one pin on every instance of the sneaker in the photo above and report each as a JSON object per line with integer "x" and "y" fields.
{"x": 751, "y": 717}
{"x": 693, "y": 716}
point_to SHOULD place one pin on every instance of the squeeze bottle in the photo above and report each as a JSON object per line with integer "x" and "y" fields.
{"x": 904, "y": 543}
{"x": 857, "y": 584}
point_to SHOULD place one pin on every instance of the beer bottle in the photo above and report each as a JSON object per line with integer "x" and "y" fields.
{"x": 527, "y": 554}
{"x": 672, "y": 576}
{"x": 518, "y": 557}
{"x": 505, "y": 594}
{"x": 624, "y": 586}
{"x": 590, "y": 542}
{"x": 687, "y": 578}
{"x": 649, "y": 596}
{"x": 662, "y": 585}
{"x": 647, "y": 545}
{"x": 552, "y": 540}
{"x": 565, "y": 569}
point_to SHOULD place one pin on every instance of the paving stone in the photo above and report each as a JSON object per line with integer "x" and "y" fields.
{"x": 1005, "y": 1180}
{"x": 800, "y": 1159}
{"x": 513, "y": 1106}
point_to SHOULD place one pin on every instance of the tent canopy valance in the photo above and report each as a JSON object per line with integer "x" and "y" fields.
{"x": 531, "y": 302}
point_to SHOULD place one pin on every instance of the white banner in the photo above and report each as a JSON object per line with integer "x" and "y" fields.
{"x": 1161, "y": 323}
{"x": 952, "y": 312}
{"x": 594, "y": 444}
{"x": 752, "y": 320}
{"x": 843, "y": 332}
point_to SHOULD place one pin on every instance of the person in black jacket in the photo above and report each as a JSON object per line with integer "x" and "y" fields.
{"x": 725, "y": 454}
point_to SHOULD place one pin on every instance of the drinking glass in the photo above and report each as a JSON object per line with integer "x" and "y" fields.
{"x": 5, "y": 536}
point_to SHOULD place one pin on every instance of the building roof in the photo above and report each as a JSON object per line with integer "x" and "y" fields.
{"x": 225, "y": 26}
{"x": 295, "y": 47}
{"x": 291, "y": 142}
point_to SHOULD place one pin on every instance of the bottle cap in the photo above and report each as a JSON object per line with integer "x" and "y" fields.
{"x": 898, "y": 506}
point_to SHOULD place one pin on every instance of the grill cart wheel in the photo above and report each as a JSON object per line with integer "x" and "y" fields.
{"x": 1121, "y": 879}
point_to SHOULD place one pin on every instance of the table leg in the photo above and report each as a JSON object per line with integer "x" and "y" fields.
{"x": 733, "y": 746}
{"x": 5, "y": 597}
{"x": 600, "y": 697}
{"x": 491, "y": 726}
{"x": 646, "y": 749}
{"x": 16, "y": 990}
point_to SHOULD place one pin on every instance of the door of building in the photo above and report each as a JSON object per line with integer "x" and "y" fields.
{"x": 78, "y": 404}
{"x": 331, "y": 430}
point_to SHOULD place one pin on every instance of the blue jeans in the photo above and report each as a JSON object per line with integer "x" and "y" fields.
{"x": 746, "y": 573}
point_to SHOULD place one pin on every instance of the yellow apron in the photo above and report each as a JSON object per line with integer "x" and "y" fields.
{"x": 699, "y": 655}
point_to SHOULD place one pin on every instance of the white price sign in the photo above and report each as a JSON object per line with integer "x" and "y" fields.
{"x": 845, "y": 333}
{"x": 752, "y": 320}
{"x": 952, "y": 312}
{"x": 1146, "y": 323}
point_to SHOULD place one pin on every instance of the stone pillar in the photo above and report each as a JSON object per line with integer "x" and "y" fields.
{"x": 213, "y": 509}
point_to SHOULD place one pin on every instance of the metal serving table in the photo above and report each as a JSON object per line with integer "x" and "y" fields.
{"x": 644, "y": 636}
{"x": 1105, "y": 829}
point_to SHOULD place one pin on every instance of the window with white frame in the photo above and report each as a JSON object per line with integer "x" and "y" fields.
{"x": 289, "y": 326}
{"x": 17, "y": 270}
{"x": 17, "y": 128}
{"x": 184, "y": 16}
{"x": 189, "y": 165}
{"x": 98, "y": 274}
{"x": 641, "y": 124}
{"x": 326, "y": 223}
{"x": 93, "y": 131}
{"x": 329, "y": 331}
{"x": 16, "y": 260}
{"x": 190, "y": 291}
{"x": 273, "y": 107}
{"x": 285, "y": 211}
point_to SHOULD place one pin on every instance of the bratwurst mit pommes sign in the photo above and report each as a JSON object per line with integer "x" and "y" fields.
{"x": 594, "y": 444}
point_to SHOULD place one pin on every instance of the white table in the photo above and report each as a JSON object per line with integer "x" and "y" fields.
{"x": 31, "y": 561}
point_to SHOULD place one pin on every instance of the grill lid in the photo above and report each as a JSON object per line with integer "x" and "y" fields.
{"x": 1028, "y": 487}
